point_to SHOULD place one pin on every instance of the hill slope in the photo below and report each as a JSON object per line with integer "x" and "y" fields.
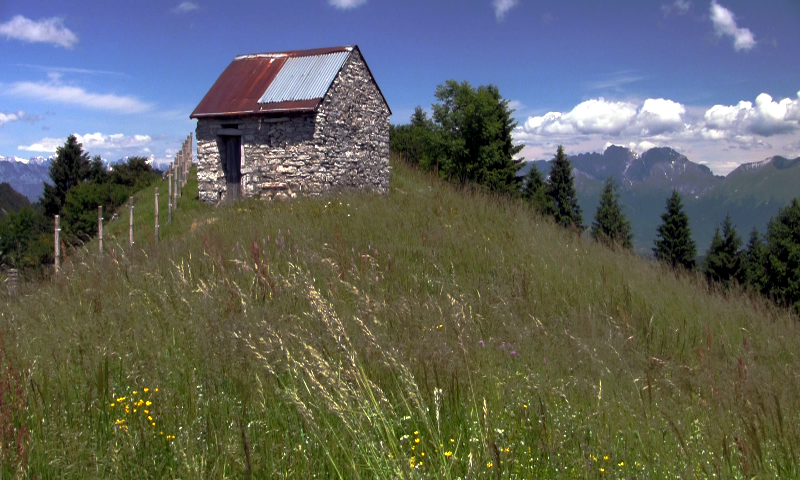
{"x": 431, "y": 332}
{"x": 11, "y": 200}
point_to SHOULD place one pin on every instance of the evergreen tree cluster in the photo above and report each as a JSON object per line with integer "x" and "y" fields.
{"x": 768, "y": 264}
{"x": 79, "y": 186}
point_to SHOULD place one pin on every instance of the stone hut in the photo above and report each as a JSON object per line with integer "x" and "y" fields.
{"x": 278, "y": 125}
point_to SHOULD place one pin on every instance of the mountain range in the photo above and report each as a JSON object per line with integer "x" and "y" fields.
{"x": 752, "y": 193}
{"x": 27, "y": 175}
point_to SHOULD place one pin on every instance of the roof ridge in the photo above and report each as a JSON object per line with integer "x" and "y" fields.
{"x": 310, "y": 52}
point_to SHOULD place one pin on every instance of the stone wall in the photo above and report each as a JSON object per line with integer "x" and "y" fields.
{"x": 345, "y": 144}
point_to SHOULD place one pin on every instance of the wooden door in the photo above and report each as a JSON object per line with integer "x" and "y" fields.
{"x": 233, "y": 167}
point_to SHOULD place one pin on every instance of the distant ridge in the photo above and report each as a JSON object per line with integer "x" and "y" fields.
{"x": 752, "y": 193}
{"x": 26, "y": 176}
{"x": 11, "y": 200}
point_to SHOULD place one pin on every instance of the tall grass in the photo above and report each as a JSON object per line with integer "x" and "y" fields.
{"x": 431, "y": 332}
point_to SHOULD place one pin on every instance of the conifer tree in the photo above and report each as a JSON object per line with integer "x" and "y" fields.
{"x": 562, "y": 199}
{"x": 752, "y": 274}
{"x": 782, "y": 256}
{"x": 674, "y": 244}
{"x": 610, "y": 225}
{"x": 70, "y": 167}
{"x": 533, "y": 188}
{"x": 723, "y": 259}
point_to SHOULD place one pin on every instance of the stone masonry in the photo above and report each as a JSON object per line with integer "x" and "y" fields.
{"x": 344, "y": 144}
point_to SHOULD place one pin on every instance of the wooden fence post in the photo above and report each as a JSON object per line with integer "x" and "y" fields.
{"x": 100, "y": 232}
{"x": 57, "y": 238}
{"x": 156, "y": 214}
{"x": 177, "y": 188}
{"x": 130, "y": 224}
{"x": 13, "y": 282}
{"x": 169, "y": 195}
{"x": 180, "y": 175}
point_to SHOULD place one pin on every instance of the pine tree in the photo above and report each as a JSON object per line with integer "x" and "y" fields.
{"x": 70, "y": 167}
{"x": 752, "y": 274}
{"x": 723, "y": 259}
{"x": 610, "y": 225}
{"x": 674, "y": 244}
{"x": 533, "y": 189}
{"x": 782, "y": 256}
{"x": 563, "y": 202}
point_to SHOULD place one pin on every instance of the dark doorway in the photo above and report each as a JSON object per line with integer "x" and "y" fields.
{"x": 233, "y": 167}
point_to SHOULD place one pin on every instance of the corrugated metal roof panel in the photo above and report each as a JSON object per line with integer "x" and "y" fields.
{"x": 239, "y": 90}
{"x": 304, "y": 78}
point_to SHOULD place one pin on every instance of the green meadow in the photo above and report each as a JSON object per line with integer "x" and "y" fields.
{"x": 434, "y": 332}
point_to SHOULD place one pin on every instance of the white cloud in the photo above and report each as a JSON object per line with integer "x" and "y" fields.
{"x": 48, "y": 30}
{"x": 658, "y": 115}
{"x": 595, "y": 116}
{"x": 501, "y": 7}
{"x": 601, "y": 116}
{"x": 6, "y": 117}
{"x": 659, "y": 119}
{"x": 93, "y": 141}
{"x": 113, "y": 141}
{"x": 54, "y": 91}
{"x": 725, "y": 24}
{"x": 764, "y": 118}
{"x": 47, "y": 144}
{"x": 185, "y": 7}
{"x": 680, "y": 7}
{"x": 793, "y": 147}
{"x": 346, "y": 4}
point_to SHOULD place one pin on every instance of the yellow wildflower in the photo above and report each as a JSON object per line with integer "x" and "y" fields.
{"x": 416, "y": 440}
{"x": 602, "y": 470}
{"x": 149, "y": 417}
{"x": 422, "y": 454}
{"x": 412, "y": 461}
{"x": 112, "y": 405}
{"x": 416, "y": 432}
{"x": 448, "y": 454}
{"x": 621, "y": 464}
{"x": 135, "y": 392}
{"x": 605, "y": 458}
{"x": 146, "y": 389}
{"x": 148, "y": 403}
{"x": 120, "y": 399}
{"x": 489, "y": 464}
{"x": 452, "y": 441}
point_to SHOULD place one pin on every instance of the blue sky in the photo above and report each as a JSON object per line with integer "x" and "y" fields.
{"x": 717, "y": 80}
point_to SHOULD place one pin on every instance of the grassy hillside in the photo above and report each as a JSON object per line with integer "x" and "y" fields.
{"x": 11, "y": 200}
{"x": 428, "y": 333}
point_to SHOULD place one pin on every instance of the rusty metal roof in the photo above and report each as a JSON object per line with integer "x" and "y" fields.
{"x": 292, "y": 81}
